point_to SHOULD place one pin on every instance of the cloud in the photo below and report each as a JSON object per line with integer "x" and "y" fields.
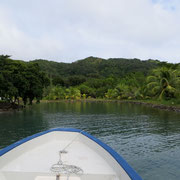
{"x": 21, "y": 45}
{"x": 68, "y": 30}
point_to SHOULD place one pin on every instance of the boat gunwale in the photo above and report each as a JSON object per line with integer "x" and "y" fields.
{"x": 128, "y": 169}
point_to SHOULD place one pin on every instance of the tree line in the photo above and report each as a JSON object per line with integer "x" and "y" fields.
{"x": 93, "y": 67}
{"x": 119, "y": 79}
{"x": 162, "y": 83}
{"x": 20, "y": 80}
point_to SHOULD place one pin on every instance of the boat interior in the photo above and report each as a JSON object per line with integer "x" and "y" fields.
{"x": 33, "y": 160}
{"x": 41, "y": 176}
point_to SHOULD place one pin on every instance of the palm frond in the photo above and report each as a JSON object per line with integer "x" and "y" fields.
{"x": 152, "y": 84}
{"x": 162, "y": 93}
{"x": 151, "y": 78}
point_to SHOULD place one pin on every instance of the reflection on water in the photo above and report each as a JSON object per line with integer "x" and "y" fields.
{"x": 149, "y": 139}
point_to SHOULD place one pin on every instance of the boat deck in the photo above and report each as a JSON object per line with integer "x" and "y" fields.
{"x": 34, "y": 159}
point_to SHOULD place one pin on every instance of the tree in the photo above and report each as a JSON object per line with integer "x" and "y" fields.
{"x": 20, "y": 79}
{"x": 75, "y": 80}
{"x": 164, "y": 83}
{"x": 8, "y": 89}
{"x": 36, "y": 82}
{"x": 72, "y": 93}
{"x": 88, "y": 91}
{"x": 58, "y": 81}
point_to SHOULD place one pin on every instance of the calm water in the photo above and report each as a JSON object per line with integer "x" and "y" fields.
{"x": 149, "y": 139}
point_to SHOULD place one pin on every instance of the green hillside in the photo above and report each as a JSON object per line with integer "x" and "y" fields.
{"x": 92, "y": 77}
{"x": 97, "y": 67}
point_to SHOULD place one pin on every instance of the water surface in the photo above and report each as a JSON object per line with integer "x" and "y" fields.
{"x": 149, "y": 139}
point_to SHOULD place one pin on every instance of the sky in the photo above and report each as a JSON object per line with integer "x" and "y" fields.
{"x": 69, "y": 30}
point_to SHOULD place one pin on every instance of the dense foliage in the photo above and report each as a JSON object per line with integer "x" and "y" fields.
{"x": 21, "y": 80}
{"x": 90, "y": 78}
{"x": 113, "y": 79}
{"x": 92, "y": 67}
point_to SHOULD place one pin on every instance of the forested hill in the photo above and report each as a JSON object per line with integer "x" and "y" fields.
{"x": 98, "y": 67}
{"x": 88, "y": 78}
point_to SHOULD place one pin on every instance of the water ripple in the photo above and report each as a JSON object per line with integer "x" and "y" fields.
{"x": 147, "y": 138}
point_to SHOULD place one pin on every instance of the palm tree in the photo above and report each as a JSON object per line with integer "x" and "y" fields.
{"x": 164, "y": 83}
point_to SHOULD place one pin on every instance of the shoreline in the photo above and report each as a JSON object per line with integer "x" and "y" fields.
{"x": 8, "y": 107}
{"x": 153, "y": 104}
{"x": 157, "y": 106}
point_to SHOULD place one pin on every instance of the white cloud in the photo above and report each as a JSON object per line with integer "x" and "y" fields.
{"x": 15, "y": 42}
{"x": 67, "y": 30}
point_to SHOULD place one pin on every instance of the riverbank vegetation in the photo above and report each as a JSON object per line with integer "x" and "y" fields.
{"x": 112, "y": 79}
{"x": 20, "y": 80}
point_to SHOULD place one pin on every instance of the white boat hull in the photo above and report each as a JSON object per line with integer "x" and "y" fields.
{"x": 33, "y": 157}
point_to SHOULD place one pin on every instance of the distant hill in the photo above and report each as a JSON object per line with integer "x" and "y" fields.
{"x": 97, "y": 67}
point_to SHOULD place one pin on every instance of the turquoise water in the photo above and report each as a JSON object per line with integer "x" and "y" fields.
{"x": 149, "y": 139}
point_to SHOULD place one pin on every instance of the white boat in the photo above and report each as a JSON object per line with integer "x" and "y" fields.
{"x": 63, "y": 154}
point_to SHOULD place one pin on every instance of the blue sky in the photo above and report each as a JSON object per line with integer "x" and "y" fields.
{"x": 68, "y": 30}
